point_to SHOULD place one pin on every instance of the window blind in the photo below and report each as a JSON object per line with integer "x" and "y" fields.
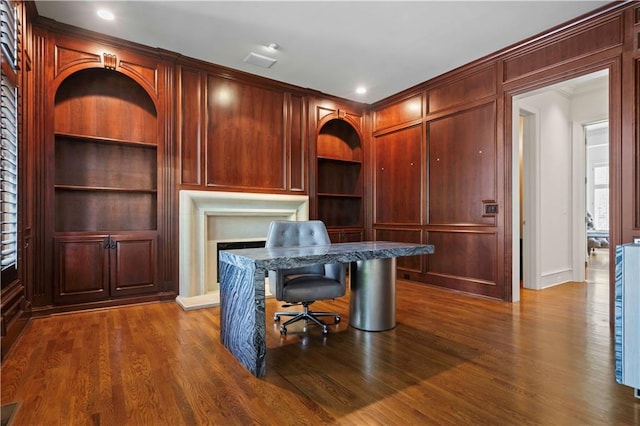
{"x": 9, "y": 32}
{"x": 9, "y": 142}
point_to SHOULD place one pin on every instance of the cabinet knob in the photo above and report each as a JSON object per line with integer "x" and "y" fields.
{"x": 109, "y": 243}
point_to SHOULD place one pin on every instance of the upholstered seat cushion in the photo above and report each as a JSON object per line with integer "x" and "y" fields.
{"x": 306, "y": 287}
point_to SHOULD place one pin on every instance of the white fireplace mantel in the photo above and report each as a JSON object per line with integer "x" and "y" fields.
{"x": 208, "y": 217}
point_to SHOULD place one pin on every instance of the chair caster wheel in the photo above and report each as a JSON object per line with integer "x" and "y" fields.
{"x": 276, "y": 318}
{"x": 283, "y": 331}
{"x": 325, "y": 330}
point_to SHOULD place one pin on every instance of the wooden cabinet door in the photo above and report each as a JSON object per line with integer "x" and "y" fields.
{"x": 92, "y": 268}
{"x": 345, "y": 235}
{"x": 398, "y": 177}
{"x": 81, "y": 270}
{"x": 133, "y": 264}
{"x": 351, "y": 236}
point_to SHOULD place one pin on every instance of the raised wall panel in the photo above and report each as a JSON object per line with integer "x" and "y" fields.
{"x": 462, "y": 166}
{"x": 191, "y": 129}
{"x": 146, "y": 73}
{"x": 398, "y": 113}
{"x": 245, "y": 136}
{"x": 398, "y": 177}
{"x": 67, "y": 57}
{"x": 593, "y": 39}
{"x": 324, "y": 111}
{"x": 479, "y": 84}
{"x": 297, "y": 143}
{"x": 465, "y": 260}
{"x": 42, "y": 288}
{"x": 412, "y": 263}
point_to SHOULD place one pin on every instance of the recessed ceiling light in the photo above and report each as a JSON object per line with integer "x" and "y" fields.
{"x": 106, "y": 14}
{"x": 273, "y": 46}
{"x": 361, "y": 90}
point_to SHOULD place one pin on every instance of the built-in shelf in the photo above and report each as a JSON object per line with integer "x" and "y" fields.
{"x": 104, "y": 188}
{"x": 101, "y": 165}
{"x": 99, "y": 139}
{"x": 106, "y": 155}
{"x": 339, "y": 180}
{"x": 336, "y": 195}
{"x": 339, "y": 160}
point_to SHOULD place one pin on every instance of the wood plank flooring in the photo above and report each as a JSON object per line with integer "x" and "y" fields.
{"x": 453, "y": 359}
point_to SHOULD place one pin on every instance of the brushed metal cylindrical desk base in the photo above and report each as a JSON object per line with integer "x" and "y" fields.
{"x": 373, "y": 294}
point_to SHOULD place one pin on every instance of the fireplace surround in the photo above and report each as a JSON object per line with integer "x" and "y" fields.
{"x": 207, "y": 218}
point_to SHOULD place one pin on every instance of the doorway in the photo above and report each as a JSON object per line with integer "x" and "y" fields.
{"x": 549, "y": 192}
{"x": 597, "y": 204}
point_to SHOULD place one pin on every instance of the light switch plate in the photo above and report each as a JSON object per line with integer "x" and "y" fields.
{"x": 489, "y": 208}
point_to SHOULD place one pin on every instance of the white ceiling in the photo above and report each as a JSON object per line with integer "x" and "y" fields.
{"x": 333, "y": 46}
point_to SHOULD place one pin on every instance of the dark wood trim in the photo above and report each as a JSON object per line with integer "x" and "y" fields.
{"x": 47, "y": 310}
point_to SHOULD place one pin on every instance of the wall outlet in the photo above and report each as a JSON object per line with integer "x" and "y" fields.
{"x": 636, "y": 240}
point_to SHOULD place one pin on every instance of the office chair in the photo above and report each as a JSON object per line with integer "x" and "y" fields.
{"x": 307, "y": 284}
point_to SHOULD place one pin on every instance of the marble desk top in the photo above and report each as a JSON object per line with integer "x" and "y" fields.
{"x": 293, "y": 257}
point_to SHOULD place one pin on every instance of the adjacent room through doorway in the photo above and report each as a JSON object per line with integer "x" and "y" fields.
{"x": 560, "y": 145}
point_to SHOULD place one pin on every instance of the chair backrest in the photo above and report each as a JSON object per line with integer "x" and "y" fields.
{"x": 284, "y": 233}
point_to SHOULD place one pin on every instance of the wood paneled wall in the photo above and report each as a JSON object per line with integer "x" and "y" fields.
{"x": 457, "y": 129}
{"x": 239, "y": 135}
{"x": 435, "y": 167}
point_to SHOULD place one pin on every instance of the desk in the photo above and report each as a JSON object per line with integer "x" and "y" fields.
{"x": 242, "y": 299}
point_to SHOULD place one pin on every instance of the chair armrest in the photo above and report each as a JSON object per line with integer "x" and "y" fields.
{"x": 337, "y": 271}
{"x": 276, "y": 281}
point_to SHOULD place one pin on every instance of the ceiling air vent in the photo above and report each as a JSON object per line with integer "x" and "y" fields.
{"x": 259, "y": 60}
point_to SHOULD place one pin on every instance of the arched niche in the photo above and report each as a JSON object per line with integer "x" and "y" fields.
{"x": 338, "y": 139}
{"x": 107, "y": 104}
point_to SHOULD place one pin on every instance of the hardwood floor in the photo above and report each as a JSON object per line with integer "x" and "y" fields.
{"x": 452, "y": 359}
